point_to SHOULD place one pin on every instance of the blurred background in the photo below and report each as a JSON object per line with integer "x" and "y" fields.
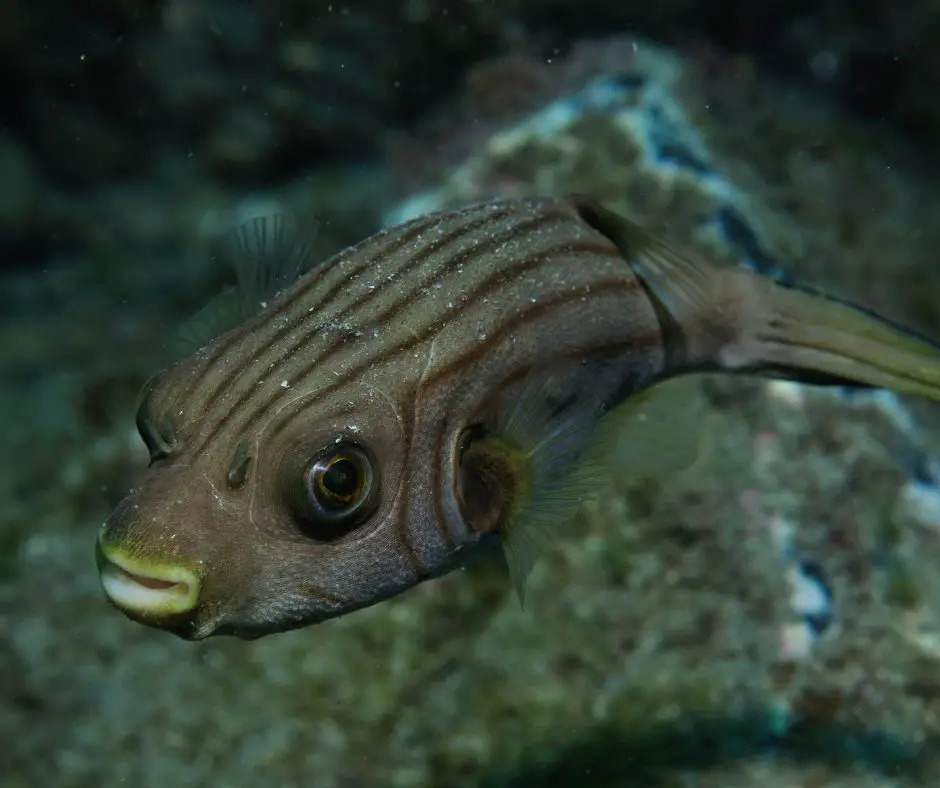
{"x": 770, "y": 618}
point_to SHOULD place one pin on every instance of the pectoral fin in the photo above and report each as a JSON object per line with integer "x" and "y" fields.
{"x": 661, "y": 430}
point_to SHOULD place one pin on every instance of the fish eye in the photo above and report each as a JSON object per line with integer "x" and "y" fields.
{"x": 338, "y": 491}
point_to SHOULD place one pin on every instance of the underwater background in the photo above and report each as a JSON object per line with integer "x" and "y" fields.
{"x": 770, "y": 617}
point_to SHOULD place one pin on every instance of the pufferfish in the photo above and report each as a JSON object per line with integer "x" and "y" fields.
{"x": 445, "y": 385}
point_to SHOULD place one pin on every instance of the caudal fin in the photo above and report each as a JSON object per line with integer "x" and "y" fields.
{"x": 808, "y": 336}
{"x": 737, "y": 321}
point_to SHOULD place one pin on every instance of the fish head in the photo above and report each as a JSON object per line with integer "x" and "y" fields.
{"x": 298, "y": 520}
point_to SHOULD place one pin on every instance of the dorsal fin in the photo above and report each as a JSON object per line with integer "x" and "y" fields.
{"x": 268, "y": 254}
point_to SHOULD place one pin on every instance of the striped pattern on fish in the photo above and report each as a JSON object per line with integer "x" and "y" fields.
{"x": 440, "y": 387}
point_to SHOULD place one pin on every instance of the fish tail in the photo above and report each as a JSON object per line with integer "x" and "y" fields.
{"x": 811, "y": 337}
{"x": 737, "y": 320}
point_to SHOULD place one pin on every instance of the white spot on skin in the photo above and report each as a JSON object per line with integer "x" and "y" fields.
{"x": 216, "y": 495}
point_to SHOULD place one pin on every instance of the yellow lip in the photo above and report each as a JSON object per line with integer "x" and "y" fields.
{"x": 146, "y": 589}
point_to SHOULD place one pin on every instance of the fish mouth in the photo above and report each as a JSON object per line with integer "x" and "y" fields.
{"x": 144, "y": 590}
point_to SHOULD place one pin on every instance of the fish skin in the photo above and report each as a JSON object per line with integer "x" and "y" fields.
{"x": 404, "y": 345}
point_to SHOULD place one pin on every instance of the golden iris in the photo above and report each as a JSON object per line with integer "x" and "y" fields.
{"x": 338, "y": 491}
{"x": 338, "y": 480}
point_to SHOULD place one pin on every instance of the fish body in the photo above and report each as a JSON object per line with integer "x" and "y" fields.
{"x": 437, "y": 387}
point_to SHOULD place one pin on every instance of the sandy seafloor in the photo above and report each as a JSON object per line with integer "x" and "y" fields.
{"x": 654, "y": 644}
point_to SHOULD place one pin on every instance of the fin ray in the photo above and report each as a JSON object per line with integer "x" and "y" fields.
{"x": 560, "y": 477}
{"x": 570, "y": 457}
{"x": 660, "y": 430}
{"x": 676, "y": 277}
{"x": 268, "y": 254}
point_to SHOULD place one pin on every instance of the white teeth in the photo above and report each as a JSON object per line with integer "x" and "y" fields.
{"x": 151, "y": 591}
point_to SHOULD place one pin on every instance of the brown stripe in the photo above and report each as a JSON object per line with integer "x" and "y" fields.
{"x": 402, "y": 236}
{"x": 603, "y": 286}
{"x": 291, "y": 298}
{"x": 454, "y": 263}
{"x": 329, "y": 297}
{"x": 311, "y": 311}
{"x": 400, "y": 520}
{"x": 400, "y": 524}
{"x": 639, "y": 342}
{"x": 409, "y": 406}
{"x": 223, "y": 346}
{"x": 472, "y": 254}
{"x": 437, "y": 487}
{"x": 484, "y": 289}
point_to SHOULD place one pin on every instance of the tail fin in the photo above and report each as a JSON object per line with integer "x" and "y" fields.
{"x": 811, "y": 337}
{"x": 738, "y": 321}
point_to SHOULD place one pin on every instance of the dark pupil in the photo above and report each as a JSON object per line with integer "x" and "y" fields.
{"x": 341, "y": 479}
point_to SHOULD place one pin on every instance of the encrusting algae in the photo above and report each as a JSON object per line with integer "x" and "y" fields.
{"x": 456, "y": 381}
